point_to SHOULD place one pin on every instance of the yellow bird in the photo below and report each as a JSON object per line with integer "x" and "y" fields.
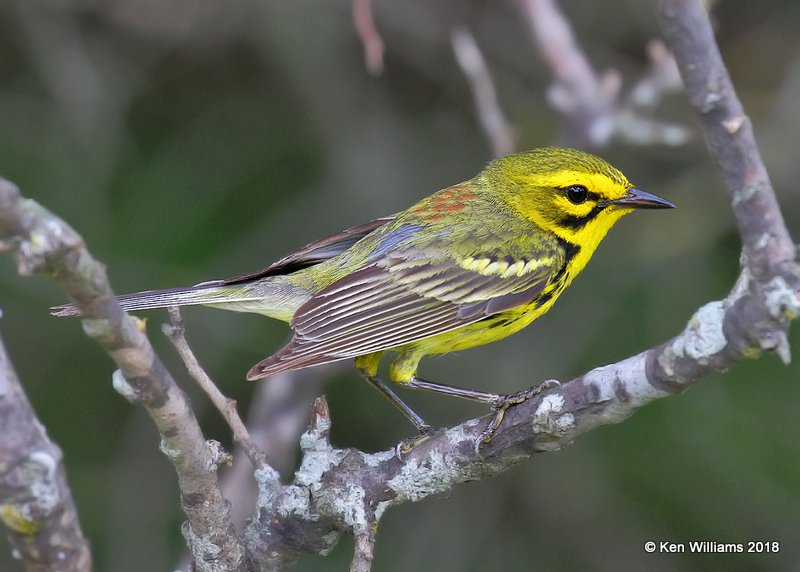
{"x": 468, "y": 265}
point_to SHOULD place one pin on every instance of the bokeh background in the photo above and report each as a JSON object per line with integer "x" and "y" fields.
{"x": 195, "y": 140}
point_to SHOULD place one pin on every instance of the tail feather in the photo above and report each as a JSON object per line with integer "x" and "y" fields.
{"x": 205, "y": 293}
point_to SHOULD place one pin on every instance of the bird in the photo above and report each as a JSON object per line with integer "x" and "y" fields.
{"x": 468, "y": 265}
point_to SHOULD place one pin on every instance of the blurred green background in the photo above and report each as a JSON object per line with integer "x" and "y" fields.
{"x": 194, "y": 140}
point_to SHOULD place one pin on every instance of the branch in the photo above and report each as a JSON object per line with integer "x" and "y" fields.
{"x": 728, "y": 133}
{"x": 769, "y": 253}
{"x": 277, "y": 415}
{"x": 36, "y": 504}
{"x": 493, "y": 121}
{"x": 41, "y": 242}
{"x": 589, "y": 101}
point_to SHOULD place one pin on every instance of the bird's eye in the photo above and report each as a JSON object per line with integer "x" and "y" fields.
{"x": 577, "y": 194}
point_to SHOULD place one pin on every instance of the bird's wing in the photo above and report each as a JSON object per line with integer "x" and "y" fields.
{"x": 312, "y": 253}
{"x": 406, "y": 295}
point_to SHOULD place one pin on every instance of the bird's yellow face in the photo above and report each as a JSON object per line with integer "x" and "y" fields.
{"x": 574, "y": 195}
{"x": 574, "y": 205}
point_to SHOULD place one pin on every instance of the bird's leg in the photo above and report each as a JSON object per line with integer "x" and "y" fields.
{"x": 367, "y": 366}
{"x": 424, "y": 429}
{"x": 462, "y": 392}
{"x": 410, "y": 414}
{"x": 500, "y": 403}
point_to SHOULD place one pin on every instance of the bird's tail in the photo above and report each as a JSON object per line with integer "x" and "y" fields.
{"x": 278, "y": 300}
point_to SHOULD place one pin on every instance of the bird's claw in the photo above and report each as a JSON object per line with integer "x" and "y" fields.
{"x": 406, "y": 445}
{"x": 501, "y": 405}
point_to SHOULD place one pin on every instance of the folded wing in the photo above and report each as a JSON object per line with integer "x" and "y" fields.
{"x": 407, "y": 295}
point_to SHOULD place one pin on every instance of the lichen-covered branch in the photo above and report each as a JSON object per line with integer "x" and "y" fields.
{"x": 277, "y": 415}
{"x": 769, "y": 253}
{"x": 41, "y": 242}
{"x": 36, "y": 504}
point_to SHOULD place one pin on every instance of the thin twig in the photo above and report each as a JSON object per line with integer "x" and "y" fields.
{"x": 662, "y": 77}
{"x": 226, "y": 406}
{"x": 369, "y": 35}
{"x": 591, "y": 102}
{"x": 583, "y": 97}
{"x": 493, "y": 121}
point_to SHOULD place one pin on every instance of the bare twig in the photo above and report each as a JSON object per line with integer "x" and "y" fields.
{"x": 41, "y": 242}
{"x": 584, "y": 98}
{"x": 36, "y": 504}
{"x": 493, "y": 121}
{"x": 662, "y": 78}
{"x": 589, "y": 101}
{"x": 226, "y": 406}
{"x": 369, "y": 35}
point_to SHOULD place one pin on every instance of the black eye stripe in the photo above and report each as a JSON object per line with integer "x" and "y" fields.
{"x": 577, "y": 223}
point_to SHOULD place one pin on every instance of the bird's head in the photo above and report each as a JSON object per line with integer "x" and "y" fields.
{"x": 572, "y": 194}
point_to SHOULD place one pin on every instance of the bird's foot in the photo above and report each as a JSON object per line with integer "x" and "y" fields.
{"x": 501, "y": 405}
{"x": 406, "y": 445}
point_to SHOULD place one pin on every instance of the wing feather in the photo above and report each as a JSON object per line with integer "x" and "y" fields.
{"x": 405, "y": 330}
{"x": 405, "y": 296}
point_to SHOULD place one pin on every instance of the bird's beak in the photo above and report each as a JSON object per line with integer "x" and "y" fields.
{"x": 638, "y": 199}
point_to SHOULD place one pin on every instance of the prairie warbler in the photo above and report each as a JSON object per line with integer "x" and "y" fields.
{"x": 468, "y": 265}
